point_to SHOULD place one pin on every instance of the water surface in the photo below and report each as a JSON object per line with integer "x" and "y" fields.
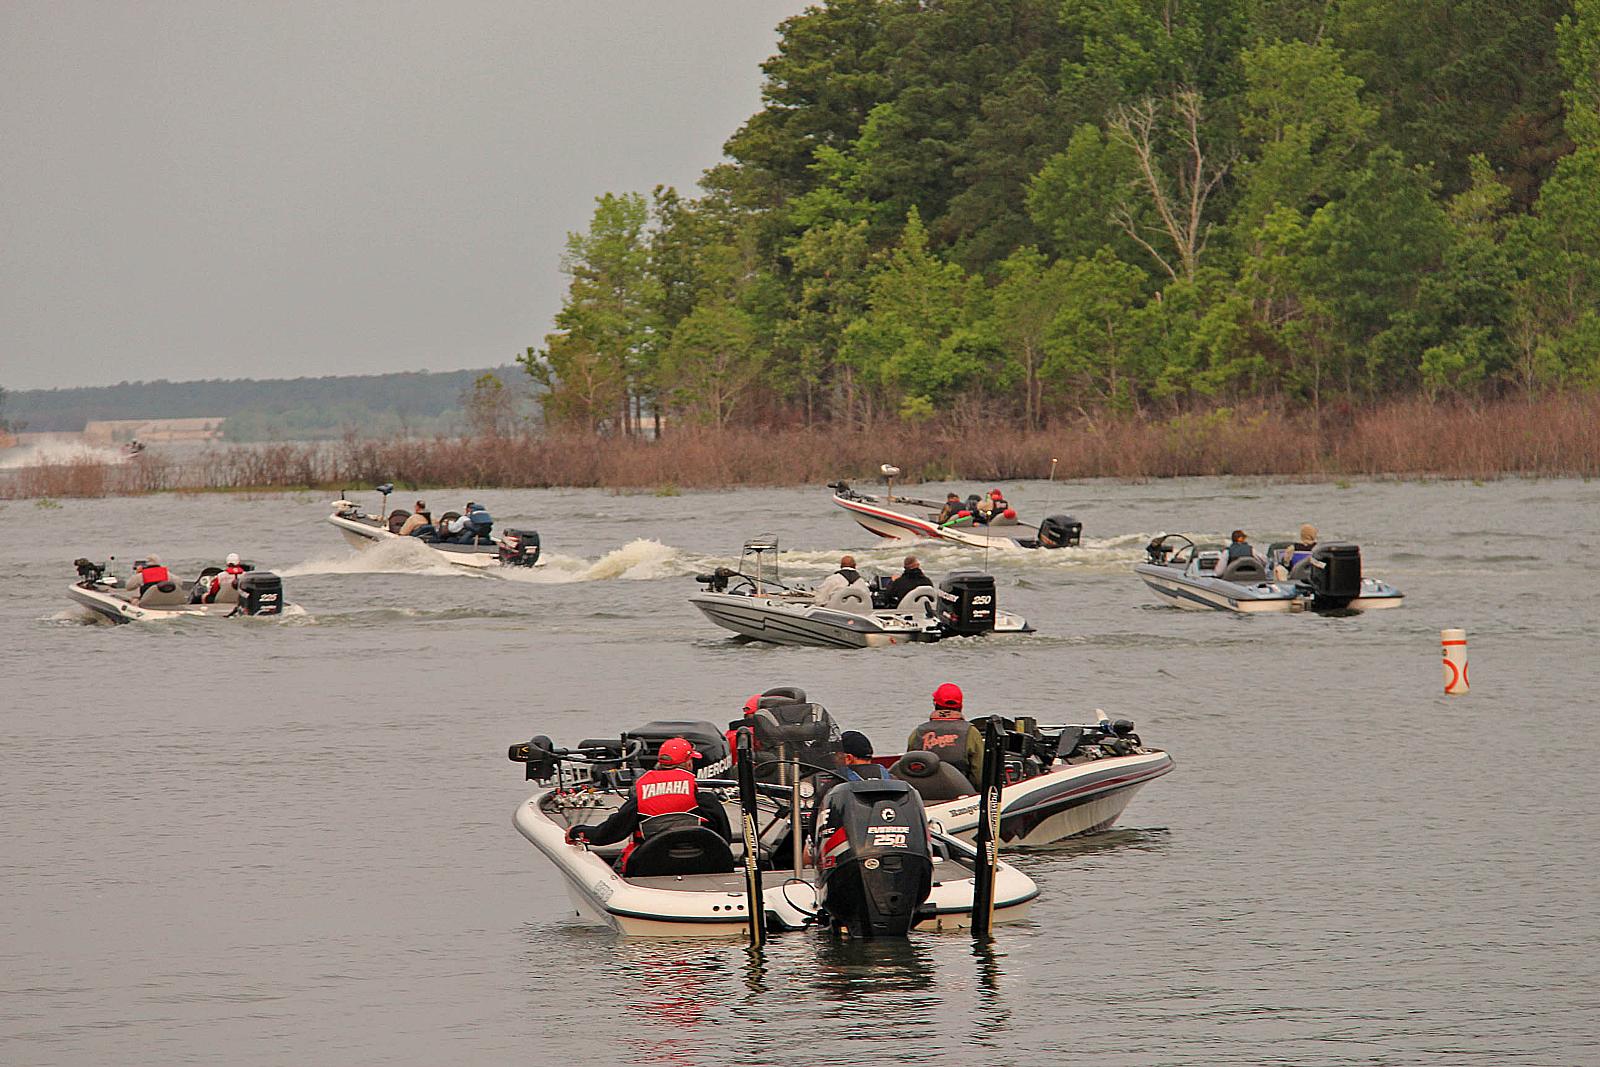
{"x": 290, "y": 841}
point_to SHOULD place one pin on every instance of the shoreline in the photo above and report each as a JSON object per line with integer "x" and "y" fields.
{"x": 1555, "y": 437}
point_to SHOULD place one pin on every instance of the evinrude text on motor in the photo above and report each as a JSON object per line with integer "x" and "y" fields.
{"x": 754, "y": 603}
{"x": 690, "y": 883}
{"x": 1202, "y": 578}
{"x": 256, "y": 593}
{"x": 512, "y": 548}
{"x": 912, "y": 518}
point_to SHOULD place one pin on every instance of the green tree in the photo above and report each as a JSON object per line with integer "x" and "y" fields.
{"x": 916, "y": 338}
{"x": 1098, "y": 343}
{"x": 1025, "y": 304}
{"x": 712, "y": 362}
{"x": 1075, "y": 196}
{"x": 605, "y": 346}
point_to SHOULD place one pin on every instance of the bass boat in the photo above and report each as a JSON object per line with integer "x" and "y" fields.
{"x": 1060, "y": 781}
{"x": 258, "y": 593}
{"x": 513, "y": 548}
{"x": 867, "y": 863}
{"x": 911, "y": 518}
{"x": 1202, "y": 578}
{"x": 755, "y": 604}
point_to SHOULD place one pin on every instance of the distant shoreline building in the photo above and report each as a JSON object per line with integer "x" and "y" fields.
{"x": 152, "y": 431}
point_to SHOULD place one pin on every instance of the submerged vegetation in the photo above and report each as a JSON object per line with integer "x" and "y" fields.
{"x": 1032, "y": 213}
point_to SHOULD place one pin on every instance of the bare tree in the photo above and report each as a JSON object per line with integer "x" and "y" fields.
{"x": 1180, "y": 198}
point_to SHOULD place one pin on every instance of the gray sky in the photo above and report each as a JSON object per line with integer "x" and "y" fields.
{"x": 224, "y": 190}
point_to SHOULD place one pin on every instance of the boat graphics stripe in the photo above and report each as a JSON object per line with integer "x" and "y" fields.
{"x": 895, "y": 518}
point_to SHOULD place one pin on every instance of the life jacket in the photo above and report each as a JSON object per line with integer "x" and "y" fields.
{"x": 660, "y": 792}
{"x": 947, "y": 739}
{"x": 479, "y": 517}
{"x": 850, "y": 574}
{"x": 154, "y": 575}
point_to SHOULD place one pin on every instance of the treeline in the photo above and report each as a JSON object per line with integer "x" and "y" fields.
{"x": 286, "y": 409}
{"x": 1027, "y": 209}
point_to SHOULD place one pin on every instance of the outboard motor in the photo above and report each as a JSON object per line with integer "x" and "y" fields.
{"x": 967, "y": 603}
{"x": 1060, "y": 531}
{"x": 519, "y": 548}
{"x": 874, "y": 863}
{"x": 260, "y": 593}
{"x": 1338, "y": 580}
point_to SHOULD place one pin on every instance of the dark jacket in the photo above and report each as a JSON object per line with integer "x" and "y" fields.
{"x": 911, "y": 578}
{"x": 955, "y": 741}
{"x": 1239, "y": 549}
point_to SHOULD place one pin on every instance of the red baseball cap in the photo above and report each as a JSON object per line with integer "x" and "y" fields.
{"x": 994, "y": 494}
{"x": 948, "y": 695}
{"x": 676, "y": 750}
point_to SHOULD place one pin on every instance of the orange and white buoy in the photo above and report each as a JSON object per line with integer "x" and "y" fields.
{"x": 1453, "y": 643}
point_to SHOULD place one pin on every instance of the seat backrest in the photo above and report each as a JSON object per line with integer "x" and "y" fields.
{"x": 854, "y": 598}
{"x": 1245, "y": 569}
{"x": 164, "y": 595}
{"x": 931, "y": 777}
{"x": 227, "y": 591}
{"x": 397, "y": 519}
{"x": 922, "y": 598}
{"x": 696, "y": 850}
{"x": 672, "y": 820}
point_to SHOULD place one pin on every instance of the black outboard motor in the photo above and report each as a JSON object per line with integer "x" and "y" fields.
{"x": 519, "y": 548}
{"x": 1060, "y": 531}
{"x": 874, "y": 866}
{"x": 1338, "y": 580}
{"x": 260, "y": 593}
{"x": 967, "y": 603}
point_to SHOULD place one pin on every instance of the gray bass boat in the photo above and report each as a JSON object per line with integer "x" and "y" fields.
{"x": 753, "y": 603}
{"x": 1201, "y": 578}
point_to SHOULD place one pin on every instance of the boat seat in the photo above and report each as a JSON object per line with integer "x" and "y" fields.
{"x": 852, "y": 598}
{"x": 934, "y": 779}
{"x": 227, "y": 592}
{"x": 689, "y": 850}
{"x": 1301, "y": 571}
{"x": 1244, "y": 569}
{"x": 921, "y": 599}
{"x": 397, "y": 519}
{"x": 164, "y": 595}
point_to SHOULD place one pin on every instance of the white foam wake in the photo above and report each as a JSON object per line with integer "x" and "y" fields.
{"x": 641, "y": 559}
{"x": 41, "y": 453}
{"x": 398, "y": 556}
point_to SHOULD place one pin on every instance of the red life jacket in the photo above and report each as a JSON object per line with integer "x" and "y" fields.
{"x": 152, "y": 575}
{"x": 661, "y": 792}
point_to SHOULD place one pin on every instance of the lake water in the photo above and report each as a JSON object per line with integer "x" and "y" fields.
{"x": 270, "y": 842}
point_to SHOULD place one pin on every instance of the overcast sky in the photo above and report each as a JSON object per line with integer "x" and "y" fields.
{"x": 225, "y": 190}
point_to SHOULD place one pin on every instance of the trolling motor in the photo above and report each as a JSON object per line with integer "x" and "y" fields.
{"x": 89, "y": 573}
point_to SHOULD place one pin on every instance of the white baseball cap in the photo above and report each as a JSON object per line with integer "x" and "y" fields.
{"x": 233, "y": 558}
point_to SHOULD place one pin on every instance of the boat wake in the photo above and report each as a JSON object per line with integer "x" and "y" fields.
{"x": 637, "y": 560}
{"x": 1110, "y": 553}
{"x": 53, "y": 453}
{"x": 386, "y": 557}
{"x": 641, "y": 559}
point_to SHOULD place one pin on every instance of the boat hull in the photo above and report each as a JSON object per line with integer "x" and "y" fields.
{"x": 877, "y": 518}
{"x": 1173, "y": 587}
{"x": 800, "y": 622}
{"x": 119, "y": 609}
{"x": 362, "y": 534}
{"x": 1061, "y": 803}
{"x": 647, "y": 908}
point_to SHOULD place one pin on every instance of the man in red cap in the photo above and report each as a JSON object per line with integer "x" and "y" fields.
{"x": 947, "y": 733}
{"x": 671, "y": 787}
{"x": 751, "y": 706}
